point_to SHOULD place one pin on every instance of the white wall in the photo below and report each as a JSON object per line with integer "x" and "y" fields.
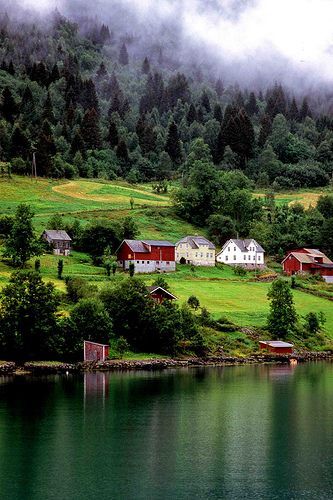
{"x": 232, "y": 255}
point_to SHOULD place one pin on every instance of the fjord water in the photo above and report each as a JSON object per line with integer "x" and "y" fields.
{"x": 234, "y": 432}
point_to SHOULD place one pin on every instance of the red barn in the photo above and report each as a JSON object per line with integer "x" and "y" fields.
{"x": 308, "y": 260}
{"x": 94, "y": 351}
{"x": 276, "y": 346}
{"x": 147, "y": 256}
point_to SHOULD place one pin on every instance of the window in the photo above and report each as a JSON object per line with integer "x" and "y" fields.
{"x": 168, "y": 263}
{"x": 143, "y": 262}
{"x": 249, "y": 257}
{"x": 258, "y": 257}
{"x": 196, "y": 254}
{"x": 234, "y": 249}
{"x": 244, "y": 257}
{"x": 201, "y": 255}
{"x": 228, "y": 249}
{"x": 207, "y": 255}
{"x": 234, "y": 257}
{"x": 177, "y": 255}
{"x": 226, "y": 258}
{"x": 254, "y": 257}
{"x": 138, "y": 262}
{"x": 147, "y": 261}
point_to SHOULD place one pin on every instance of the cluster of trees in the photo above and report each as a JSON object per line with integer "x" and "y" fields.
{"x": 223, "y": 201}
{"x": 99, "y": 239}
{"x": 87, "y": 107}
{"x": 32, "y": 328}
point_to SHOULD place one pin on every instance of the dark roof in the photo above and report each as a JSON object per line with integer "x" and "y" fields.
{"x": 244, "y": 244}
{"x": 57, "y": 235}
{"x": 276, "y": 343}
{"x": 141, "y": 246}
{"x": 158, "y": 243}
{"x": 309, "y": 258}
{"x": 153, "y": 288}
{"x": 196, "y": 241}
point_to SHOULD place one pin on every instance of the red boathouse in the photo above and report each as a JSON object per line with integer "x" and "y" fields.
{"x": 147, "y": 255}
{"x": 308, "y": 260}
{"x": 94, "y": 351}
{"x": 276, "y": 346}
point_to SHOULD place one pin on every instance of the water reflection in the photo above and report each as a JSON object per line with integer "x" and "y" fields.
{"x": 233, "y": 432}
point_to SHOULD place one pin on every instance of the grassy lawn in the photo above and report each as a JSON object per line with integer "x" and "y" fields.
{"x": 305, "y": 197}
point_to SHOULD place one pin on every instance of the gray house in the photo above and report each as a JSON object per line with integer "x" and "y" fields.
{"x": 59, "y": 240}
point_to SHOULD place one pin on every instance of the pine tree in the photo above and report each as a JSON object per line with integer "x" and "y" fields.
{"x": 19, "y": 145}
{"x": 146, "y": 135}
{"x": 47, "y": 113}
{"x": 27, "y": 108}
{"x": 220, "y": 146}
{"x": 101, "y": 72}
{"x": 55, "y": 75}
{"x": 172, "y": 145}
{"x": 218, "y": 113}
{"x": 11, "y": 69}
{"x": 205, "y": 103}
{"x": 78, "y": 144}
{"x": 145, "y": 66}
{"x": 123, "y": 55}
{"x": 252, "y": 106}
{"x": 265, "y": 130}
{"x": 90, "y": 129}
{"x": 305, "y": 110}
{"x": 88, "y": 97}
{"x": 22, "y": 244}
{"x": 191, "y": 114}
{"x": 293, "y": 113}
{"x": 219, "y": 87}
{"x": 122, "y": 154}
{"x": 276, "y": 102}
{"x": 113, "y": 137}
{"x": 45, "y": 150}
{"x": 8, "y": 105}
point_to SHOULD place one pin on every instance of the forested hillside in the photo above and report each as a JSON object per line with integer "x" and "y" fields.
{"x": 92, "y": 100}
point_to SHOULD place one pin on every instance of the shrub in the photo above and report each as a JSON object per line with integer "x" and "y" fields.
{"x": 240, "y": 271}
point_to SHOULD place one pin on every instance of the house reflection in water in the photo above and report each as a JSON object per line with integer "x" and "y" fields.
{"x": 96, "y": 386}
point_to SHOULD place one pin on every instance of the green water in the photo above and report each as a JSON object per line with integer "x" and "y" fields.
{"x": 219, "y": 433}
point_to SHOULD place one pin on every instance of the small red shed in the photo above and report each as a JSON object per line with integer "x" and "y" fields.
{"x": 276, "y": 346}
{"x": 159, "y": 294}
{"x": 94, "y": 351}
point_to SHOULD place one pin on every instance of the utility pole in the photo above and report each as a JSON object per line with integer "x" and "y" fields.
{"x": 34, "y": 166}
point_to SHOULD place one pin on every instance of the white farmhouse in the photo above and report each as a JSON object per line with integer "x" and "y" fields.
{"x": 245, "y": 253}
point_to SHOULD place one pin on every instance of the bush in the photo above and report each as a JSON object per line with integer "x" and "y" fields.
{"x": 240, "y": 271}
{"x": 78, "y": 288}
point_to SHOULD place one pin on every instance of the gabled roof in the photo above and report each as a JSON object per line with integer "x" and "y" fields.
{"x": 57, "y": 235}
{"x": 196, "y": 242}
{"x": 155, "y": 288}
{"x": 243, "y": 245}
{"x": 309, "y": 257}
{"x": 142, "y": 246}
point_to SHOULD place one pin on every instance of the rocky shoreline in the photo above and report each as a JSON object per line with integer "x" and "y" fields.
{"x": 46, "y": 368}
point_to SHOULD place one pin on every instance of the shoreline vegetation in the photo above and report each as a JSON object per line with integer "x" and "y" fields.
{"x": 151, "y": 364}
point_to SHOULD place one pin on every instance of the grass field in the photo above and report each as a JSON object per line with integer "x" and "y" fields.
{"x": 305, "y": 197}
{"x": 87, "y": 200}
{"x": 240, "y": 299}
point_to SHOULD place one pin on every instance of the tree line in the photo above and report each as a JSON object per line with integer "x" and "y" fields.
{"x": 86, "y": 107}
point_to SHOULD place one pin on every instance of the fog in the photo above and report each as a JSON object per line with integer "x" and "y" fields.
{"x": 275, "y": 39}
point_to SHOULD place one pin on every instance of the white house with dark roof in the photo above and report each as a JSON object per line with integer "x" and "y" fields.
{"x": 246, "y": 253}
{"x": 59, "y": 240}
{"x": 196, "y": 250}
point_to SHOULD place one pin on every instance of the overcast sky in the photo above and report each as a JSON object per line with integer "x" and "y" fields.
{"x": 241, "y": 30}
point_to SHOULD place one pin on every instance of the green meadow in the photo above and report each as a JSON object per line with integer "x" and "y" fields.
{"x": 240, "y": 299}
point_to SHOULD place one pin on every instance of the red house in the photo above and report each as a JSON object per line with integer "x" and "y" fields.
{"x": 276, "y": 346}
{"x": 308, "y": 260}
{"x": 94, "y": 351}
{"x": 147, "y": 255}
